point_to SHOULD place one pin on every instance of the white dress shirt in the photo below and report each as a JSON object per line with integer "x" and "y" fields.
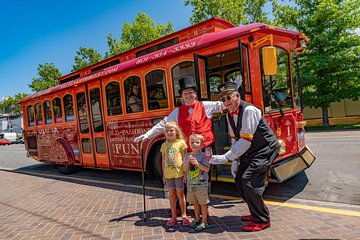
{"x": 210, "y": 109}
{"x": 249, "y": 123}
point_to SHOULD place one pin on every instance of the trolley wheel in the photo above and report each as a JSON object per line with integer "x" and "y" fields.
{"x": 66, "y": 169}
{"x": 156, "y": 163}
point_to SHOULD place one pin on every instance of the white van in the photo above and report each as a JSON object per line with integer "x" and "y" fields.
{"x": 10, "y": 136}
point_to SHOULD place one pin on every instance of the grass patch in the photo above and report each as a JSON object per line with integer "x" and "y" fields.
{"x": 335, "y": 127}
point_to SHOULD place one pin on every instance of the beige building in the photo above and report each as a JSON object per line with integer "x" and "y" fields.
{"x": 344, "y": 112}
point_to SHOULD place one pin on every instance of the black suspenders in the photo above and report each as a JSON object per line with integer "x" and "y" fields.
{"x": 236, "y": 130}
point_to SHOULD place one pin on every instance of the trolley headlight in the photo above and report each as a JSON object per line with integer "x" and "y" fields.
{"x": 282, "y": 145}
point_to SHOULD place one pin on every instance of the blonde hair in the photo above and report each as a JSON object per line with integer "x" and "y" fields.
{"x": 173, "y": 124}
{"x": 196, "y": 137}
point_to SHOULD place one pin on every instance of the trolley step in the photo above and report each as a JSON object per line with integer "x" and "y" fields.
{"x": 223, "y": 178}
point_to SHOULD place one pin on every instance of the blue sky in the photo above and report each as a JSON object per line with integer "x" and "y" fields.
{"x": 40, "y": 31}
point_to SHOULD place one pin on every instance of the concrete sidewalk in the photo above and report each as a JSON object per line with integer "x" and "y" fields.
{"x": 34, "y": 207}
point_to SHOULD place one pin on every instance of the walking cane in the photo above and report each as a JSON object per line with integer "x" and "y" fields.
{"x": 143, "y": 179}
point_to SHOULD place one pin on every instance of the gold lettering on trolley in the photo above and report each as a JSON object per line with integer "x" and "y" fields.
{"x": 127, "y": 148}
{"x": 84, "y": 79}
{"x": 166, "y": 52}
{"x": 99, "y": 74}
{"x": 278, "y": 132}
{"x": 184, "y": 46}
{"x": 127, "y": 132}
{"x": 197, "y": 32}
{"x": 53, "y": 131}
{"x": 289, "y": 137}
{"x": 160, "y": 54}
{"x": 142, "y": 60}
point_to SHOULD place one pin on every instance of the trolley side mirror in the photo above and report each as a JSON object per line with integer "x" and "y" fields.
{"x": 269, "y": 60}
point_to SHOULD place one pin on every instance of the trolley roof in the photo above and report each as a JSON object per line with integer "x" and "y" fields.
{"x": 174, "y": 50}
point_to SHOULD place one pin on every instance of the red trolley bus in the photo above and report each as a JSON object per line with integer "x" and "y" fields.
{"x": 89, "y": 119}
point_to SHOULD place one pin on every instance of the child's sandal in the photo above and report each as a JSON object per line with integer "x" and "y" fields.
{"x": 194, "y": 224}
{"x": 185, "y": 222}
{"x": 171, "y": 222}
{"x": 201, "y": 227}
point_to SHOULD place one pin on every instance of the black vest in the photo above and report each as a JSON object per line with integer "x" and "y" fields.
{"x": 264, "y": 140}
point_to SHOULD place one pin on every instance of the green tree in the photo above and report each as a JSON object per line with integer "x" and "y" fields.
{"x": 141, "y": 31}
{"x": 18, "y": 97}
{"x": 10, "y": 105}
{"x": 330, "y": 66}
{"x": 237, "y": 12}
{"x": 7, "y": 105}
{"x": 86, "y": 57}
{"x": 48, "y": 75}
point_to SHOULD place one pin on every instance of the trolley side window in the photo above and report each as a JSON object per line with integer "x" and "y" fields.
{"x": 156, "y": 90}
{"x": 277, "y": 88}
{"x": 68, "y": 108}
{"x": 224, "y": 67}
{"x": 96, "y": 110}
{"x": 215, "y": 81}
{"x": 113, "y": 100}
{"x": 178, "y": 71}
{"x": 82, "y": 112}
{"x": 38, "y": 114}
{"x": 86, "y": 145}
{"x": 296, "y": 80}
{"x": 57, "y": 110}
{"x": 134, "y": 100}
{"x": 47, "y": 112}
{"x": 246, "y": 68}
{"x": 30, "y": 116}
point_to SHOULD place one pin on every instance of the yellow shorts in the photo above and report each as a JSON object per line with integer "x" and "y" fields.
{"x": 197, "y": 195}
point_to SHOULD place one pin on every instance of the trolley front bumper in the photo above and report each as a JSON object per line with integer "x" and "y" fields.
{"x": 292, "y": 166}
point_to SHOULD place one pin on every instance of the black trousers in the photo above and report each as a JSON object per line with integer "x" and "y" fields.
{"x": 250, "y": 182}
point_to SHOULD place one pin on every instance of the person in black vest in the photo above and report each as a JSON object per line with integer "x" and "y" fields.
{"x": 255, "y": 146}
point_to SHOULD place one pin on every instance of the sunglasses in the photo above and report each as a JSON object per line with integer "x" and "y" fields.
{"x": 228, "y": 97}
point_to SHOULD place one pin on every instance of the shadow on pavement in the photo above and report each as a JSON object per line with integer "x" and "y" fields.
{"x": 158, "y": 218}
{"x": 124, "y": 180}
{"x": 274, "y": 191}
{"x": 288, "y": 189}
{"x": 83, "y": 174}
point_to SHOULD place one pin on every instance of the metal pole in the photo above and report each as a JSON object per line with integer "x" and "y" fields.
{"x": 143, "y": 179}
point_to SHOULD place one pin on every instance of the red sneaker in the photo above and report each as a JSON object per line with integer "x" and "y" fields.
{"x": 252, "y": 227}
{"x": 246, "y": 218}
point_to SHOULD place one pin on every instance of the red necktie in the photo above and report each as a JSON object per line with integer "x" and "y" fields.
{"x": 236, "y": 112}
